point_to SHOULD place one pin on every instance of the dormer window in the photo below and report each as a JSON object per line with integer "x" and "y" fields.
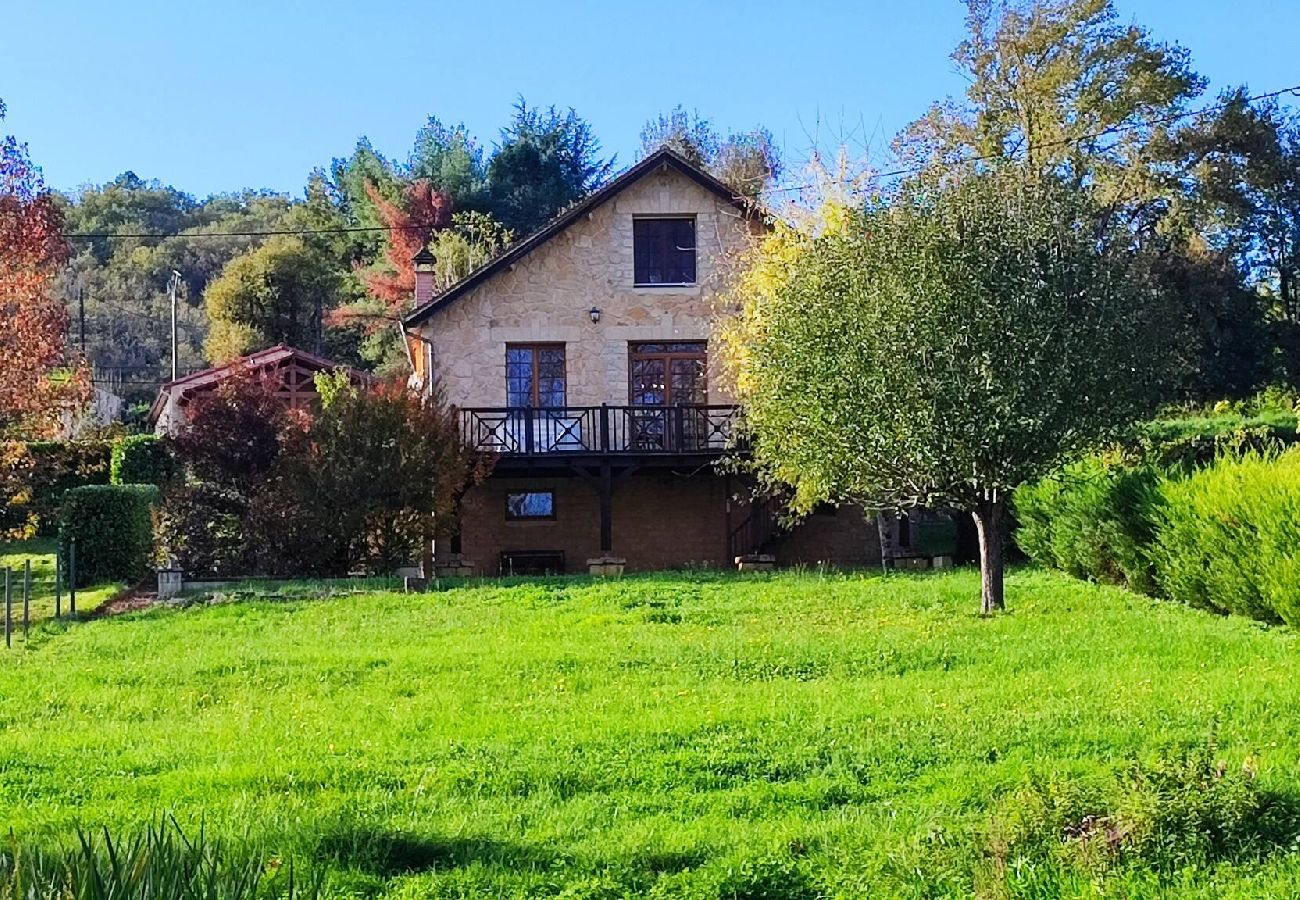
{"x": 664, "y": 250}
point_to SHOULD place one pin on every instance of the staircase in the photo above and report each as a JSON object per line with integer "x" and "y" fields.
{"x": 758, "y": 532}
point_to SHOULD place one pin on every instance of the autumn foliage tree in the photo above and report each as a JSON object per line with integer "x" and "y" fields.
{"x": 33, "y": 322}
{"x": 390, "y": 282}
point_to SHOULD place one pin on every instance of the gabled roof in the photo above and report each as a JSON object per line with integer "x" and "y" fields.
{"x": 660, "y": 159}
{"x": 271, "y": 358}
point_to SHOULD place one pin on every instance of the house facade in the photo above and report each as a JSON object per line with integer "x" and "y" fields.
{"x": 583, "y": 359}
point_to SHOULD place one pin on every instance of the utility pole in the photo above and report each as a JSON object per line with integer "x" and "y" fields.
{"x": 172, "y": 287}
{"x": 81, "y": 317}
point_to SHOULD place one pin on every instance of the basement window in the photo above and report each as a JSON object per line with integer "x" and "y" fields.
{"x": 664, "y": 251}
{"x": 523, "y": 505}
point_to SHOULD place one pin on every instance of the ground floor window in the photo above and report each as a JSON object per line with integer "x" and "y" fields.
{"x": 530, "y": 505}
{"x": 532, "y": 562}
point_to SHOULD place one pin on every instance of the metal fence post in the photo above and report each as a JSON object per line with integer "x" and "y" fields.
{"x": 27, "y": 596}
{"x": 9, "y": 610}
{"x": 72, "y": 578}
{"x": 58, "y": 584}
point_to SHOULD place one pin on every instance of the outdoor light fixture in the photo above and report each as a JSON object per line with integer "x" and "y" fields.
{"x": 594, "y": 312}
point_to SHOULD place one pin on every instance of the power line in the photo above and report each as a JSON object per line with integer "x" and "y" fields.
{"x": 76, "y": 236}
{"x": 1059, "y": 142}
{"x": 893, "y": 173}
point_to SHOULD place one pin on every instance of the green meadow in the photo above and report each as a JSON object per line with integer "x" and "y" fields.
{"x": 680, "y": 735}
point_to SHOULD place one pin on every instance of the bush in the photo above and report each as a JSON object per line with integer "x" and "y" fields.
{"x": 1229, "y": 537}
{"x": 142, "y": 459}
{"x": 37, "y": 474}
{"x": 113, "y": 530}
{"x": 1094, "y": 520}
{"x": 200, "y": 529}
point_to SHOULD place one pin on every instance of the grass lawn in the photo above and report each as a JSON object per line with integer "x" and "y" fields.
{"x": 670, "y": 735}
{"x": 40, "y": 552}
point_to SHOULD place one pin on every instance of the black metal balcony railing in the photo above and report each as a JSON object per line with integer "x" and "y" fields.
{"x": 524, "y": 431}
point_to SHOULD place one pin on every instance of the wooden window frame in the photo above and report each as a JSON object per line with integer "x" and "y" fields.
{"x": 634, "y": 355}
{"x": 695, "y": 251}
{"x": 510, "y": 517}
{"x": 536, "y": 347}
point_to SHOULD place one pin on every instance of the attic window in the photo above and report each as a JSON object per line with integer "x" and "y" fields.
{"x": 664, "y": 251}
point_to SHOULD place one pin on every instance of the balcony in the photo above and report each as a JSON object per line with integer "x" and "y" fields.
{"x": 566, "y": 432}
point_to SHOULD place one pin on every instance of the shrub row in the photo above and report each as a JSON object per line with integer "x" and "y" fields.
{"x": 1224, "y": 537}
{"x": 35, "y": 475}
{"x": 143, "y": 459}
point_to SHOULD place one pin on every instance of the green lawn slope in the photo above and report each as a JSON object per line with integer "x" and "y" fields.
{"x": 671, "y": 736}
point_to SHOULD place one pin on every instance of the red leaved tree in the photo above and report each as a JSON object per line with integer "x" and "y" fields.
{"x": 391, "y": 282}
{"x": 424, "y": 210}
{"x": 33, "y": 323}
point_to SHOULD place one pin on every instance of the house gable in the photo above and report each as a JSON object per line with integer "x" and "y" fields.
{"x": 544, "y": 293}
{"x": 660, "y": 161}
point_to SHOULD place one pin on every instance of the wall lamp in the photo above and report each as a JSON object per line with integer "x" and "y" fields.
{"x": 594, "y": 312}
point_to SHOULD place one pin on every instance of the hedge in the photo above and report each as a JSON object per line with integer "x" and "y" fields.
{"x": 1094, "y": 519}
{"x": 142, "y": 459}
{"x": 34, "y": 491}
{"x": 1229, "y": 537}
{"x": 113, "y": 528}
{"x": 1224, "y": 537}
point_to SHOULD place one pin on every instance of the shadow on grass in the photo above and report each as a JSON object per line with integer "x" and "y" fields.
{"x": 386, "y": 853}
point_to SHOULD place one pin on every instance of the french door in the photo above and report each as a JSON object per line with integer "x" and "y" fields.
{"x": 664, "y": 381}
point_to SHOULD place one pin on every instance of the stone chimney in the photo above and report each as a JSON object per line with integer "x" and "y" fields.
{"x": 424, "y": 261}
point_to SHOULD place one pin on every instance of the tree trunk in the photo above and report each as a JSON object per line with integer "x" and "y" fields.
{"x": 990, "y": 517}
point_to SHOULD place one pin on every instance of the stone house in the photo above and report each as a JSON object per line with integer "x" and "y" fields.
{"x": 581, "y": 357}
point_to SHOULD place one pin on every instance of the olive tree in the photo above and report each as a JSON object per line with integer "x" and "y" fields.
{"x": 944, "y": 347}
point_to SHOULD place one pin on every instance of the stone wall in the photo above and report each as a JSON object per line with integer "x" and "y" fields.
{"x": 547, "y": 294}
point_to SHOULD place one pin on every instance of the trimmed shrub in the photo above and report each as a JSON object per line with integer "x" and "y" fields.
{"x": 113, "y": 527}
{"x": 1093, "y": 520}
{"x": 142, "y": 459}
{"x": 200, "y": 529}
{"x": 1229, "y": 537}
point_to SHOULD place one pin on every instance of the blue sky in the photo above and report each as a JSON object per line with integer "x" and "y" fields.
{"x": 219, "y": 96}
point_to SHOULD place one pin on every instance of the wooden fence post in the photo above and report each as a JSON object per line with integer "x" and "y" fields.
{"x": 27, "y": 596}
{"x": 72, "y": 578}
{"x": 58, "y": 584}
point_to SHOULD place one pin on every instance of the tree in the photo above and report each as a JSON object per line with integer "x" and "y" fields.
{"x": 389, "y": 283}
{"x": 472, "y": 240}
{"x": 1065, "y": 87}
{"x": 233, "y": 436}
{"x": 1245, "y": 163}
{"x": 547, "y": 160}
{"x": 943, "y": 349}
{"x": 277, "y": 293}
{"x": 410, "y": 225}
{"x": 450, "y": 160}
{"x": 749, "y": 161}
{"x": 33, "y": 323}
